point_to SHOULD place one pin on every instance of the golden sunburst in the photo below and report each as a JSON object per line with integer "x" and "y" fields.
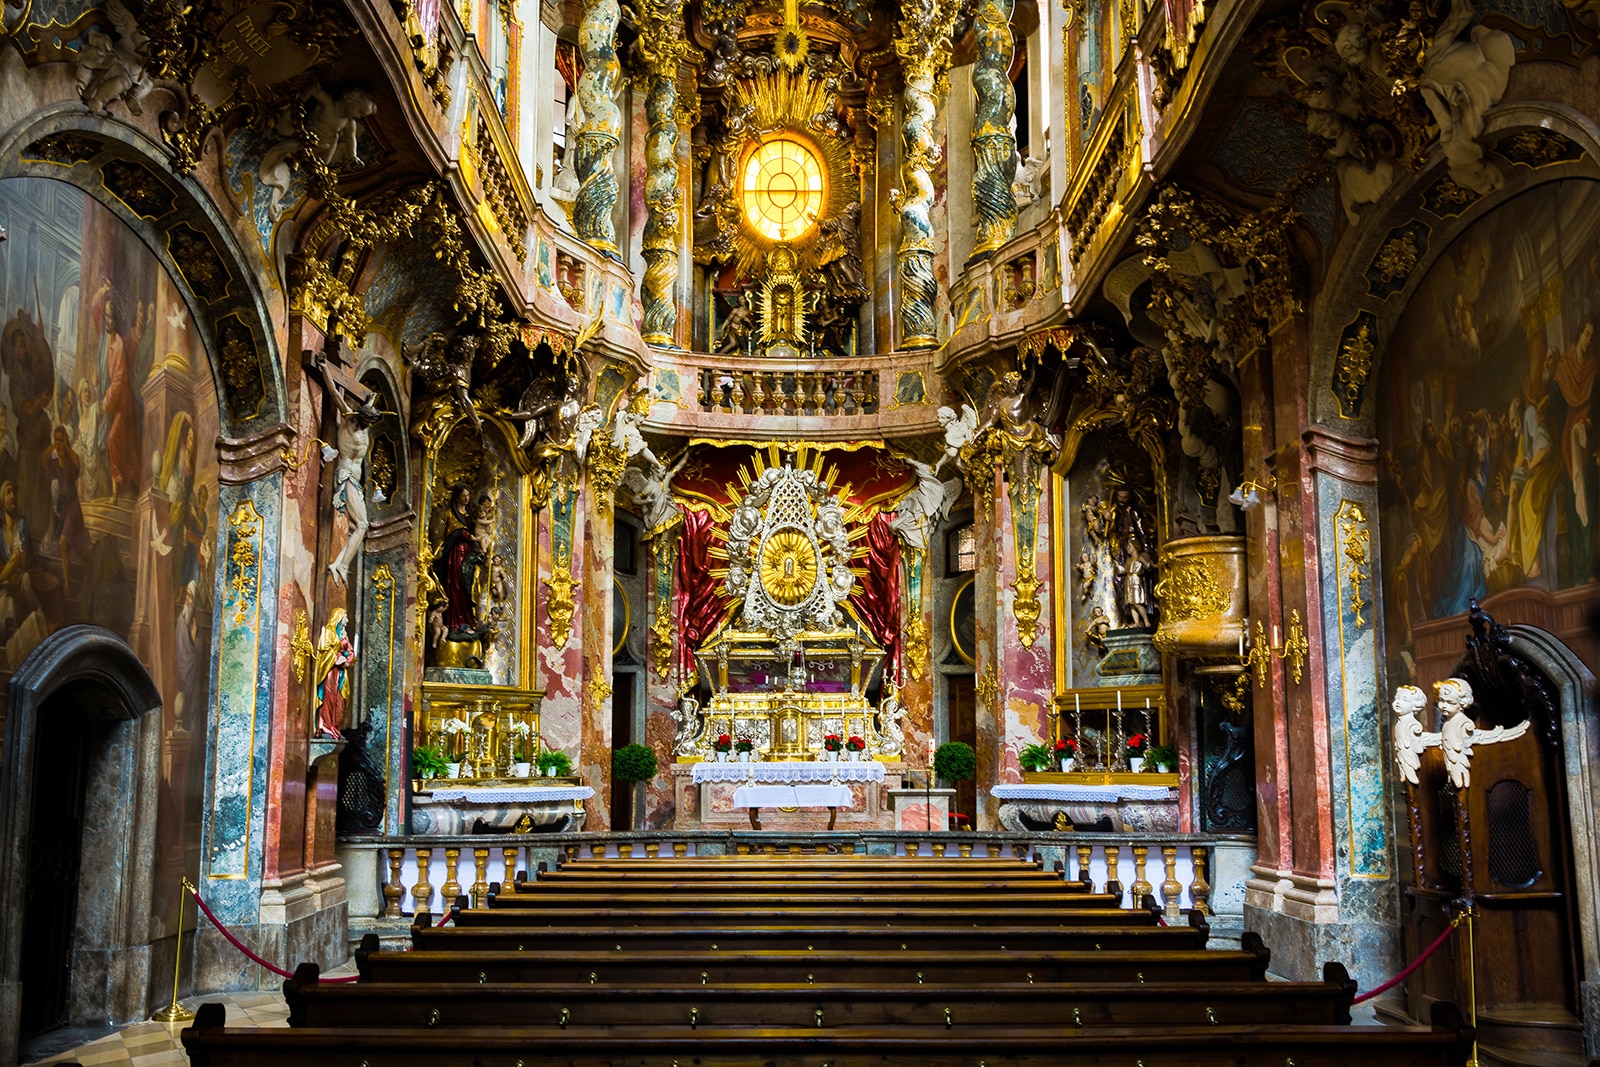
{"x": 788, "y": 567}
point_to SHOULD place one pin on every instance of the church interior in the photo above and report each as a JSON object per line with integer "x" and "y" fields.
{"x": 1023, "y": 464}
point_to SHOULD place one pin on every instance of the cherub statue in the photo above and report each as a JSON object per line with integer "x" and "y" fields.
{"x": 354, "y": 441}
{"x": 922, "y": 509}
{"x": 1461, "y": 80}
{"x": 109, "y": 69}
{"x": 1410, "y": 739}
{"x": 436, "y": 626}
{"x": 336, "y": 126}
{"x": 625, "y": 434}
{"x": 1025, "y": 189}
{"x": 1095, "y": 628}
{"x": 1458, "y": 734}
{"x": 652, "y": 492}
{"x": 958, "y": 430}
{"x": 1086, "y": 575}
{"x": 890, "y": 714}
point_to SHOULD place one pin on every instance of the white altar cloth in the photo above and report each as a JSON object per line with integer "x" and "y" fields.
{"x": 788, "y": 773}
{"x": 793, "y": 796}
{"x": 513, "y": 794}
{"x": 1102, "y": 793}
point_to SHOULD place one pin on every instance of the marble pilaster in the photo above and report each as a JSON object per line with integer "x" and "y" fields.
{"x": 594, "y": 753}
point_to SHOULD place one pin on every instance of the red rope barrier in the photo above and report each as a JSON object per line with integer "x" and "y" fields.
{"x": 1418, "y": 962}
{"x": 447, "y": 917}
{"x": 242, "y": 947}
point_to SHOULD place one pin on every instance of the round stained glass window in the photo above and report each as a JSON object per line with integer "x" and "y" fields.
{"x": 783, "y": 189}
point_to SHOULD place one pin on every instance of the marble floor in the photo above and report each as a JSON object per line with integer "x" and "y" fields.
{"x": 153, "y": 1044}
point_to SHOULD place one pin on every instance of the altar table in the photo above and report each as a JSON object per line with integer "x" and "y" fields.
{"x": 1131, "y": 807}
{"x": 790, "y": 786}
{"x": 756, "y": 797}
{"x": 473, "y": 809}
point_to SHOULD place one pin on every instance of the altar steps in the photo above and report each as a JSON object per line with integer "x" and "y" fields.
{"x": 915, "y": 969}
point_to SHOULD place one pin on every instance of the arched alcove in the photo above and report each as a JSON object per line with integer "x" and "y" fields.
{"x": 82, "y": 758}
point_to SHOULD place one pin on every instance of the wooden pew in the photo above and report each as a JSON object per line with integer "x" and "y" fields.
{"x": 667, "y": 915}
{"x": 669, "y": 967}
{"x": 210, "y": 1043}
{"x": 315, "y": 1003}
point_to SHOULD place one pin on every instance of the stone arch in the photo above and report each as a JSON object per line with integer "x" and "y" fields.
{"x": 99, "y": 673}
{"x": 1354, "y": 300}
{"x": 129, "y": 174}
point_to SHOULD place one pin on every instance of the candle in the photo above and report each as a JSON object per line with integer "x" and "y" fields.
{"x": 1075, "y": 706}
{"x": 1275, "y": 642}
{"x": 1241, "y": 644}
{"x": 1119, "y": 700}
{"x": 1146, "y": 703}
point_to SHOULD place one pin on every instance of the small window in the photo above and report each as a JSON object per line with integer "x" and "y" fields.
{"x": 961, "y": 550}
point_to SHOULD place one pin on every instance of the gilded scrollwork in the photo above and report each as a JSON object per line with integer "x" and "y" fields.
{"x": 1355, "y": 546}
{"x": 558, "y": 597}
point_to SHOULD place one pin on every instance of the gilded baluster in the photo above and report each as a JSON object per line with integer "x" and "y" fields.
{"x": 452, "y": 886}
{"x": 508, "y": 876}
{"x": 817, "y": 396}
{"x": 422, "y": 892}
{"x": 1085, "y": 874}
{"x": 652, "y": 850}
{"x": 680, "y": 849}
{"x": 994, "y": 145}
{"x": 738, "y": 393}
{"x": 601, "y": 131}
{"x": 758, "y": 394}
{"x": 1199, "y": 889}
{"x": 1112, "y": 852}
{"x": 1171, "y": 888}
{"x": 859, "y": 394}
{"x": 480, "y": 887}
{"x": 1141, "y": 885}
{"x": 393, "y": 891}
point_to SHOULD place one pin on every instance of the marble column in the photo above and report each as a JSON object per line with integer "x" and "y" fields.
{"x": 601, "y": 131}
{"x": 917, "y": 674}
{"x": 994, "y": 141}
{"x": 594, "y": 755}
{"x": 661, "y": 687}
{"x": 661, "y": 41}
{"x": 559, "y": 629}
{"x": 385, "y": 627}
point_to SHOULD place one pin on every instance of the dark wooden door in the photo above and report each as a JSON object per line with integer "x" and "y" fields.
{"x": 55, "y": 848}
{"x": 622, "y": 793}
{"x": 963, "y": 707}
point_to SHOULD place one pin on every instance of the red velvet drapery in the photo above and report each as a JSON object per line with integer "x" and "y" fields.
{"x": 698, "y": 602}
{"x": 876, "y": 600}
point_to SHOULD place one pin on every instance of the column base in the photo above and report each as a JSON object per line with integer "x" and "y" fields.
{"x": 1298, "y": 919}
{"x": 304, "y": 918}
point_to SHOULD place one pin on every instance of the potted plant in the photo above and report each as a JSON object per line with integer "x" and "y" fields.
{"x": 428, "y": 763}
{"x": 1136, "y": 746}
{"x": 522, "y": 746}
{"x": 1066, "y": 753}
{"x": 831, "y": 744}
{"x": 744, "y": 746}
{"x": 1162, "y": 758}
{"x": 632, "y": 764}
{"x": 854, "y": 745}
{"x": 554, "y": 763}
{"x": 723, "y": 744}
{"x": 955, "y": 762}
{"x": 1035, "y": 758}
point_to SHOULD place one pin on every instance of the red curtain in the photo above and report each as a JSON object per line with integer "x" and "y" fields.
{"x": 876, "y": 600}
{"x": 698, "y": 602}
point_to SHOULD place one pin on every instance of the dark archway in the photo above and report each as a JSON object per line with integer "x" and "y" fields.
{"x": 79, "y": 704}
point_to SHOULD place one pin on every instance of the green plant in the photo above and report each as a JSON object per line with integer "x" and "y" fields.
{"x": 556, "y": 759}
{"x": 955, "y": 761}
{"x": 633, "y": 763}
{"x": 428, "y": 762}
{"x": 1161, "y": 755}
{"x": 1036, "y": 758}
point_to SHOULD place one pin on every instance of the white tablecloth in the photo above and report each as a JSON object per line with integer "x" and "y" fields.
{"x": 793, "y": 796}
{"x": 788, "y": 773}
{"x": 1104, "y": 793}
{"x": 513, "y": 794}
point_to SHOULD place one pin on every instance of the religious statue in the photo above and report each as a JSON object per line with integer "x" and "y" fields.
{"x": 335, "y": 127}
{"x": 892, "y": 735}
{"x": 354, "y": 441}
{"x": 445, "y": 363}
{"x": 1009, "y": 407}
{"x": 1410, "y": 739}
{"x": 924, "y": 506}
{"x": 110, "y": 69}
{"x": 625, "y": 436}
{"x": 651, "y": 487}
{"x": 1133, "y": 569}
{"x": 736, "y": 327}
{"x": 958, "y": 430}
{"x": 840, "y": 257}
{"x": 686, "y": 725}
{"x": 1460, "y": 81}
{"x": 461, "y": 567}
{"x": 1086, "y": 573}
{"x": 335, "y": 654}
{"x": 1458, "y": 734}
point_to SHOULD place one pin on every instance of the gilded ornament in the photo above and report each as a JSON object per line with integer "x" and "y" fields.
{"x": 1355, "y": 543}
{"x": 661, "y": 630}
{"x": 1025, "y": 606}
{"x": 1397, "y": 258}
{"x": 245, "y": 558}
{"x": 1189, "y": 590}
{"x": 788, "y": 567}
{"x": 558, "y": 599}
{"x": 994, "y": 141}
{"x": 300, "y": 648}
{"x": 916, "y": 634}
{"x": 988, "y": 690}
{"x": 1351, "y": 369}
{"x": 599, "y": 689}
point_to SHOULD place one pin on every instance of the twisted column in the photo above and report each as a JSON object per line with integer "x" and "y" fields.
{"x": 924, "y": 49}
{"x": 602, "y": 126}
{"x": 662, "y": 45}
{"x": 994, "y": 142}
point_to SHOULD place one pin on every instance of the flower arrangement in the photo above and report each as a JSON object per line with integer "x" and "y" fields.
{"x": 455, "y": 730}
{"x": 832, "y": 742}
{"x": 1137, "y": 744}
{"x": 855, "y": 743}
{"x": 723, "y": 743}
{"x": 1162, "y": 757}
{"x": 744, "y": 744}
{"x": 1066, "y": 747}
{"x": 521, "y": 741}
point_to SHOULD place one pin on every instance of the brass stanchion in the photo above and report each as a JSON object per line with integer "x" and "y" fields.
{"x": 1472, "y": 984}
{"x": 175, "y": 1012}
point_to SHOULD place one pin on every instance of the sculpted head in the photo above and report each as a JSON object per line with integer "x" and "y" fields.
{"x": 1409, "y": 700}
{"x": 1454, "y": 696}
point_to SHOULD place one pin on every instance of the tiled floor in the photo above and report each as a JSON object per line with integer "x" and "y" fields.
{"x": 152, "y": 1044}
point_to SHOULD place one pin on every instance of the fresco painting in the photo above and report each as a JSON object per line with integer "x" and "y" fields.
{"x": 1490, "y": 449}
{"x": 108, "y": 474}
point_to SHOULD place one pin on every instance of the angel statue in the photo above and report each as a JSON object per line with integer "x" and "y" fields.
{"x": 1460, "y": 81}
{"x": 958, "y": 430}
{"x": 1410, "y": 739}
{"x": 686, "y": 726}
{"x": 922, "y": 509}
{"x": 1458, "y": 733}
{"x": 890, "y": 713}
{"x": 652, "y": 493}
{"x": 336, "y": 126}
{"x": 445, "y": 363}
{"x": 625, "y": 435}
{"x": 109, "y": 69}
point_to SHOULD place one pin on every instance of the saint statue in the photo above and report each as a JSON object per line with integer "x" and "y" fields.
{"x": 335, "y": 654}
{"x": 462, "y": 566}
